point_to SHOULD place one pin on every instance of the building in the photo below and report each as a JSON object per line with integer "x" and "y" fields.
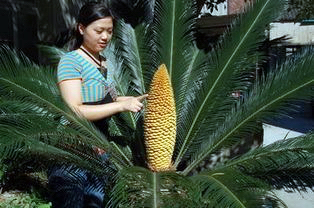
{"x": 19, "y": 25}
{"x": 27, "y": 23}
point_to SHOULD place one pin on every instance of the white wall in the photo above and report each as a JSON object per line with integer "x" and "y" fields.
{"x": 299, "y": 34}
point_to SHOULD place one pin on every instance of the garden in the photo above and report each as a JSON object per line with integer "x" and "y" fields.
{"x": 201, "y": 103}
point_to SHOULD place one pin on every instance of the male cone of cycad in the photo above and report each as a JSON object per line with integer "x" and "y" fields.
{"x": 160, "y": 122}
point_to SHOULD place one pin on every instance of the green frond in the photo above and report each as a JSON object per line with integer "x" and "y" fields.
{"x": 290, "y": 179}
{"x": 122, "y": 77}
{"x": 139, "y": 187}
{"x": 174, "y": 42}
{"x": 130, "y": 47}
{"x": 34, "y": 90}
{"x": 230, "y": 188}
{"x": 295, "y": 77}
{"x": 173, "y": 24}
{"x": 283, "y": 164}
{"x": 42, "y": 150}
{"x": 42, "y": 140}
{"x": 212, "y": 89}
{"x": 51, "y": 54}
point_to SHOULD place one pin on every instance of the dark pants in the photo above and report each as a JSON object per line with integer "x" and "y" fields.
{"x": 72, "y": 187}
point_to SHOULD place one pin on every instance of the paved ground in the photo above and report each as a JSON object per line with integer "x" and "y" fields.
{"x": 297, "y": 200}
{"x": 273, "y": 133}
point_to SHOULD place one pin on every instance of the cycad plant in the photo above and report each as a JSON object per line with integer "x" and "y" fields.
{"x": 190, "y": 105}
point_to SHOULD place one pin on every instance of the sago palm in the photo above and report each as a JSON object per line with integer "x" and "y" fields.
{"x": 190, "y": 114}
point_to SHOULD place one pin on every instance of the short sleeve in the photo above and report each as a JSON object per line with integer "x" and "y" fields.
{"x": 69, "y": 68}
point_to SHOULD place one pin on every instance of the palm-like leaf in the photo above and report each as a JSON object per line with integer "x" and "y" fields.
{"x": 276, "y": 164}
{"x": 209, "y": 118}
{"x": 221, "y": 74}
{"x": 264, "y": 98}
{"x": 154, "y": 190}
{"x": 35, "y": 95}
{"x": 227, "y": 189}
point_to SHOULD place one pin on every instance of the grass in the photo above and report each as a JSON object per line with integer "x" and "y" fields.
{"x": 18, "y": 199}
{"x": 23, "y": 190}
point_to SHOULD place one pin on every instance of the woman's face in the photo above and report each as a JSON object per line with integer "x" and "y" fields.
{"x": 97, "y": 34}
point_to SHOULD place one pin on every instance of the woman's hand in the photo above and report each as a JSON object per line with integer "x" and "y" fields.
{"x": 71, "y": 93}
{"x": 133, "y": 104}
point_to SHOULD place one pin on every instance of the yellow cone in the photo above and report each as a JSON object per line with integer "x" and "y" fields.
{"x": 160, "y": 122}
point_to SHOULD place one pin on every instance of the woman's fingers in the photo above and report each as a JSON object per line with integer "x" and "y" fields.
{"x": 134, "y": 104}
{"x": 138, "y": 106}
{"x": 141, "y": 97}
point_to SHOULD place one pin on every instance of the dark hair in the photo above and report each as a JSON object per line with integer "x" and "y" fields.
{"x": 89, "y": 13}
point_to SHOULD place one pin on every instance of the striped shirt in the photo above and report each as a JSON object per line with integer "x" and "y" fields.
{"x": 94, "y": 85}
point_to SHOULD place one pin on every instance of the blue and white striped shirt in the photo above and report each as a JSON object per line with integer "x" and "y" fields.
{"x": 94, "y": 85}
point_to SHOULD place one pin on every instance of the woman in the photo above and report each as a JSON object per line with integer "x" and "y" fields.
{"x": 85, "y": 82}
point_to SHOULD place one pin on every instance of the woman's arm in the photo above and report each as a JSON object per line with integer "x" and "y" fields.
{"x": 122, "y": 98}
{"x": 71, "y": 93}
